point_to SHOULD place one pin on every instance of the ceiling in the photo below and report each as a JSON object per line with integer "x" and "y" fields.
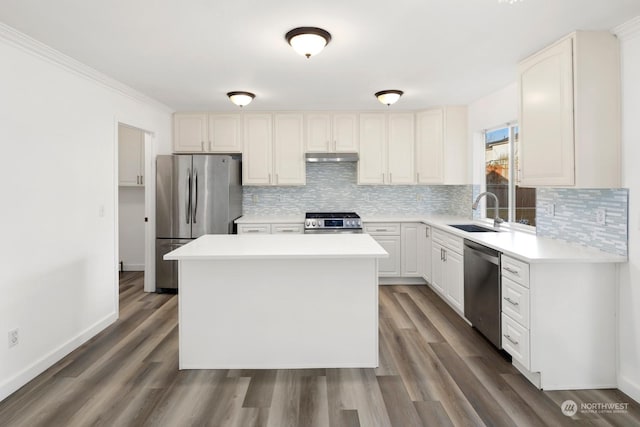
{"x": 188, "y": 53}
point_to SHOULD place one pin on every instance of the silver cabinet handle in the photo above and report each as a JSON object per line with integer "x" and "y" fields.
{"x": 277, "y": 179}
{"x": 441, "y": 254}
{"x": 381, "y": 229}
{"x": 195, "y": 204}
{"x": 253, "y": 230}
{"x": 383, "y": 177}
{"x": 512, "y": 271}
{"x": 269, "y": 178}
{"x": 390, "y": 178}
{"x": 141, "y": 179}
{"x": 426, "y": 232}
{"x": 510, "y": 301}
{"x": 511, "y": 340}
{"x": 188, "y": 197}
{"x": 287, "y": 230}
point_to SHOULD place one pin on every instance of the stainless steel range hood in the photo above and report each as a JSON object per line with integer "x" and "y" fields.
{"x": 331, "y": 157}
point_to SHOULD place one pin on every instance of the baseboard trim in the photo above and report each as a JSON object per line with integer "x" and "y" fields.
{"x": 629, "y": 388}
{"x": 401, "y": 281}
{"x": 133, "y": 267}
{"x": 14, "y": 383}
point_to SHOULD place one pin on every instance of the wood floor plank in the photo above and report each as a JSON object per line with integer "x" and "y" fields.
{"x": 435, "y": 370}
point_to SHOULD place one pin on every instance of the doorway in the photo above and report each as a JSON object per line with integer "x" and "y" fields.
{"x": 135, "y": 189}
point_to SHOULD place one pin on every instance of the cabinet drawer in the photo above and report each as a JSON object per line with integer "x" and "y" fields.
{"x": 382, "y": 228}
{"x": 515, "y": 340}
{"x": 515, "y": 301}
{"x": 254, "y": 229}
{"x": 516, "y": 270}
{"x": 287, "y": 228}
{"x": 447, "y": 240}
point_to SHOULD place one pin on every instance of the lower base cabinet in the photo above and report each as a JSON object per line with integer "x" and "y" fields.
{"x": 447, "y": 268}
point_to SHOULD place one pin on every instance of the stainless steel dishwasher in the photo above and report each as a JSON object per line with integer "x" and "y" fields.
{"x": 482, "y": 290}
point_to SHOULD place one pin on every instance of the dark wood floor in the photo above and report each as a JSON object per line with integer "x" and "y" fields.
{"x": 434, "y": 371}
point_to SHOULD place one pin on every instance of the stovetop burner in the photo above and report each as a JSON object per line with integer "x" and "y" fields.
{"x": 344, "y": 215}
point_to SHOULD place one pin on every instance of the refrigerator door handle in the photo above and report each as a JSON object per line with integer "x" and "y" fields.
{"x": 195, "y": 202}
{"x": 188, "y": 198}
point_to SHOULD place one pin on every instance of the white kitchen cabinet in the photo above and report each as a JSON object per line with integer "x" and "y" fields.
{"x": 254, "y": 229}
{"x": 427, "y": 245}
{"x": 447, "y": 276}
{"x": 540, "y": 303}
{"x": 225, "y": 133}
{"x": 331, "y": 132}
{"x": 387, "y": 143}
{"x": 289, "y": 162}
{"x": 413, "y": 249}
{"x": 257, "y": 156}
{"x": 388, "y": 235}
{"x": 273, "y": 150}
{"x": 275, "y": 228}
{"x": 209, "y": 133}
{"x": 441, "y": 146}
{"x": 569, "y": 113}
{"x": 130, "y": 157}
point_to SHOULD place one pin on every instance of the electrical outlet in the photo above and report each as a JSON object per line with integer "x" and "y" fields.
{"x": 551, "y": 209}
{"x": 418, "y": 197}
{"x": 601, "y": 216}
{"x": 13, "y": 338}
{"x": 101, "y": 211}
{"x": 254, "y": 198}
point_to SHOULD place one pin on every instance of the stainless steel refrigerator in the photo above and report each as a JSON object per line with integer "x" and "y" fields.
{"x": 195, "y": 195}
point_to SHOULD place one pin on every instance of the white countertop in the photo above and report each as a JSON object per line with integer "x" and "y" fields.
{"x": 274, "y": 246}
{"x": 518, "y": 244}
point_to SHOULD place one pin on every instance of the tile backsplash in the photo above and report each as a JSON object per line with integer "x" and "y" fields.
{"x": 333, "y": 187}
{"x": 574, "y": 219}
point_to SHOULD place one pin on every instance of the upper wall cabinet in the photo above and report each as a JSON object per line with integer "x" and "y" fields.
{"x": 273, "y": 149}
{"x": 326, "y": 132}
{"x": 441, "y": 146}
{"x": 209, "y": 133}
{"x": 570, "y": 113}
{"x": 130, "y": 157}
{"x": 387, "y": 144}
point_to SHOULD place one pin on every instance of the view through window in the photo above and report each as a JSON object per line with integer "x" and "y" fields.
{"x": 517, "y": 204}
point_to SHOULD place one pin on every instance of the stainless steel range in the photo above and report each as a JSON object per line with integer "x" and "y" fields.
{"x": 332, "y": 222}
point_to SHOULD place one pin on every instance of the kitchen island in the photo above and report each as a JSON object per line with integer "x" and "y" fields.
{"x": 278, "y": 301}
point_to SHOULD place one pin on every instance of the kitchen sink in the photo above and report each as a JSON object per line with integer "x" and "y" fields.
{"x": 472, "y": 228}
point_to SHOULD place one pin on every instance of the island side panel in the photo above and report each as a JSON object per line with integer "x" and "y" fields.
{"x": 278, "y": 313}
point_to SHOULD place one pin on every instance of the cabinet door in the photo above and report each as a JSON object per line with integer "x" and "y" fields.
{"x": 437, "y": 271}
{"x": 372, "y": 165}
{"x": 189, "y": 132}
{"x": 257, "y": 158}
{"x": 389, "y": 267}
{"x": 426, "y": 253}
{"x": 318, "y": 132}
{"x": 400, "y": 149}
{"x": 345, "y": 133}
{"x": 225, "y": 133}
{"x": 429, "y": 147}
{"x": 411, "y": 243}
{"x": 546, "y": 117}
{"x": 454, "y": 279}
{"x": 289, "y": 150}
{"x": 130, "y": 156}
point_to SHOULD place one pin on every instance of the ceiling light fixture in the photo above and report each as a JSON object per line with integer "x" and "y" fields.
{"x": 389, "y": 97}
{"x": 308, "y": 41}
{"x": 241, "y": 98}
{"x": 509, "y": 1}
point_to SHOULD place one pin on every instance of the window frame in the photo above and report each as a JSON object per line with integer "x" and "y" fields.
{"x": 513, "y": 179}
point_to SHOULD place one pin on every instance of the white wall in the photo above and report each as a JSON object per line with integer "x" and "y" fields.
{"x": 58, "y": 181}
{"x": 629, "y": 284}
{"x": 495, "y": 109}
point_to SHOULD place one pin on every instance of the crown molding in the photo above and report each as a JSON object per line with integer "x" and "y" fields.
{"x": 628, "y": 30}
{"x": 55, "y": 57}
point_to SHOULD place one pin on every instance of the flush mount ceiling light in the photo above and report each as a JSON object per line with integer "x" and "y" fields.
{"x": 389, "y": 97}
{"x": 241, "y": 98}
{"x": 308, "y": 41}
{"x": 509, "y": 1}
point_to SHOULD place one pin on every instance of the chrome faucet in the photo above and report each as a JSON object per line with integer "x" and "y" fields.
{"x": 497, "y": 220}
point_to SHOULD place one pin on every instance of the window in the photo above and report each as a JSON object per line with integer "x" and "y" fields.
{"x": 517, "y": 204}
